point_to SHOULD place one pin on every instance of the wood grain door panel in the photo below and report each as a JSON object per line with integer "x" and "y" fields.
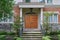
{"x": 31, "y": 21}
{"x": 27, "y": 21}
{"x": 34, "y": 21}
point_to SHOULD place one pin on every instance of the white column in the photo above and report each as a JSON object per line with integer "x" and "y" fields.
{"x": 41, "y": 16}
{"x": 20, "y": 14}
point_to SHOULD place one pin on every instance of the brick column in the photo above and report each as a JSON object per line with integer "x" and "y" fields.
{"x": 16, "y": 13}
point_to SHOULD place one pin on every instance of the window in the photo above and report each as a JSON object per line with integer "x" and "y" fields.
{"x": 42, "y": 0}
{"x": 49, "y": 1}
{"x": 50, "y": 18}
{"x": 5, "y": 19}
{"x": 53, "y": 18}
{"x": 27, "y": 1}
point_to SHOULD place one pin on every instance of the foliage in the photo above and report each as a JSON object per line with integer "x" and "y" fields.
{"x": 3, "y": 33}
{"x": 6, "y": 7}
{"x": 46, "y": 38}
{"x": 16, "y": 25}
{"x": 10, "y": 33}
{"x": 46, "y": 21}
{"x": 2, "y": 37}
{"x": 54, "y": 32}
{"x": 6, "y": 33}
{"x": 18, "y": 38}
{"x": 58, "y": 36}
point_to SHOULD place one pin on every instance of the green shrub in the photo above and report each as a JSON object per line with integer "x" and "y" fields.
{"x": 58, "y": 36}
{"x": 6, "y": 33}
{"x": 19, "y": 38}
{"x": 58, "y": 31}
{"x": 2, "y": 37}
{"x": 53, "y": 33}
{"x": 3, "y": 33}
{"x": 46, "y": 38}
{"x": 10, "y": 33}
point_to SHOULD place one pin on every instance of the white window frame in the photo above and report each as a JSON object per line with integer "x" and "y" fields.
{"x": 48, "y": 3}
{"x": 54, "y": 12}
{"x": 41, "y": 0}
{"x": 8, "y": 20}
{"x": 26, "y": 2}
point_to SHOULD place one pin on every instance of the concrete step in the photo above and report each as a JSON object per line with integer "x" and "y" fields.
{"x": 32, "y": 32}
{"x": 32, "y": 38}
{"x": 32, "y": 35}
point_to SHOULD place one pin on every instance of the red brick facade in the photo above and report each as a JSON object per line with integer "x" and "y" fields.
{"x": 17, "y": 11}
{"x": 53, "y": 9}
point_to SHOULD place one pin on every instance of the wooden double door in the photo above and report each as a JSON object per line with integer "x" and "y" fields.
{"x": 31, "y": 21}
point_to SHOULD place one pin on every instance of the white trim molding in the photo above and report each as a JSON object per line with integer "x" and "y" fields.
{"x": 31, "y": 6}
{"x": 41, "y": 16}
{"x": 21, "y": 15}
{"x": 55, "y": 12}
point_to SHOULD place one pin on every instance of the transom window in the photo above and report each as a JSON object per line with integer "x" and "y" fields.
{"x": 49, "y": 1}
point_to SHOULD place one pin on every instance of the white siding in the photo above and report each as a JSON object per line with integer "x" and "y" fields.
{"x": 56, "y": 2}
{"x": 34, "y": 0}
{"x": 16, "y": 1}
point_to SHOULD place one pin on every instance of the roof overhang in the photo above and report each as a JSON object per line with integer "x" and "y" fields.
{"x": 31, "y": 5}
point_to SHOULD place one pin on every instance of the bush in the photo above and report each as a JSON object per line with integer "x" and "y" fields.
{"x": 2, "y": 37}
{"x": 17, "y": 38}
{"x": 3, "y": 33}
{"x": 6, "y": 33}
{"x": 53, "y": 33}
{"x": 46, "y": 38}
{"x": 58, "y": 36}
{"x": 10, "y": 33}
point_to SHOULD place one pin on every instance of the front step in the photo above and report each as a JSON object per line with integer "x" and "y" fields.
{"x": 32, "y": 36}
{"x": 32, "y": 39}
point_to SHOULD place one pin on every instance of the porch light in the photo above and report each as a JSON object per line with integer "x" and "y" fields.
{"x": 31, "y": 11}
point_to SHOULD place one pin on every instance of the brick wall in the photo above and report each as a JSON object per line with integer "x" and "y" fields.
{"x": 16, "y": 12}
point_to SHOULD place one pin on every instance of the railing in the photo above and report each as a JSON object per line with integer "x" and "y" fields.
{"x": 6, "y": 27}
{"x": 21, "y": 30}
{"x": 52, "y": 27}
{"x": 32, "y": 3}
{"x": 42, "y": 29}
